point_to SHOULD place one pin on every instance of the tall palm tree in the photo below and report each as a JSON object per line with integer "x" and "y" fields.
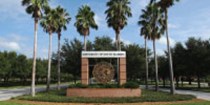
{"x": 49, "y": 24}
{"x": 63, "y": 18}
{"x": 117, "y": 14}
{"x": 34, "y": 8}
{"x": 85, "y": 21}
{"x": 144, "y": 23}
{"x": 153, "y": 28}
{"x": 165, "y": 4}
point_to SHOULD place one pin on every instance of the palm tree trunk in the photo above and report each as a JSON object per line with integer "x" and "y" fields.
{"x": 34, "y": 58}
{"x": 146, "y": 61}
{"x": 156, "y": 67}
{"x": 164, "y": 82}
{"x": 59, "y": 69}
{"x": 199, "y": 82}
{"x": 169, "y": 56}
{"x": 85, "y": 43}
{"x": 118, "y": 39}
{"x": 118, "y": 46}
{"x": 49, "y": 63}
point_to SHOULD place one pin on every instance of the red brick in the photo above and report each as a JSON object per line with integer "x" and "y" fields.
{"x": 93, "y": 92}
{"x": 122, "y": 61}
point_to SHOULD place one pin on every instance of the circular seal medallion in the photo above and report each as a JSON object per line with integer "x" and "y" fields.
{"x": 103, "y": 72}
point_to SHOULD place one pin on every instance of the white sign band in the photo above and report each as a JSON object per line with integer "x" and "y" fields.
{"x": 103, "y": 54}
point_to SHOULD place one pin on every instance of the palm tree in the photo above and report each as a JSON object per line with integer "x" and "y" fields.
{"x": 117, "y": 14}
{"x": 34, "y": 7}
{"x": 153, "y": 28}
{"x": 49, "y": 24}
{"x": 144, "y": 22}
{"x": 85, "y": 21}
{"x": 165, "y": 4}
{"x": 62, "y": 20}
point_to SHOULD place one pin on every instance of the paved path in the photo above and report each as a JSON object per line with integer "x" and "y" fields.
{"x": 198, "y": 94}
{"x": 6, "y": 94}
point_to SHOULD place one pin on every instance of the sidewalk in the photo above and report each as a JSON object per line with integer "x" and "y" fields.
{"x": 198, "y": 94}
{"x": 6, "y": 94}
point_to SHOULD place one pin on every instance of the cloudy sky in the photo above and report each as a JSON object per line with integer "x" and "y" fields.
{"x": 188, "y": 18}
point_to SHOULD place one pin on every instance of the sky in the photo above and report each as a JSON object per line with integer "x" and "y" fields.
{"x": 187, "y": 18}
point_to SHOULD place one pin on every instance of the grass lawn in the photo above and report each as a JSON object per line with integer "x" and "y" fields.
{"x": 147, "y": 96}
{"x": 13, "y": 87}
{"x": 194, "y": 103}
{"x": 191, "y": 102}
{"x": 11, "y": 103}
{"x": 192, "y": 88}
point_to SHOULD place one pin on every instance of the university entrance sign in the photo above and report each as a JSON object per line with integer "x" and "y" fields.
{"x": 104, "y": 70}
{"x": 103, "y": 54}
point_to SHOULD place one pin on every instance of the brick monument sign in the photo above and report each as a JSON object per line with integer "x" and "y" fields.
{"x": 121, "y": 55}
{"x": 103, "y": 72}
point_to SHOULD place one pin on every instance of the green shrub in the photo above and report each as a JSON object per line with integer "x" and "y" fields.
{"x": 78, "y": 85}
{"x": 132, "y": 85}
{"x": 111, "y": 86}
{"x": 94, "y": 86}
{"x": 147, "y": 96}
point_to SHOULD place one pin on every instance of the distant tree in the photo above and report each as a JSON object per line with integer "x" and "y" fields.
{"x": 163, "y": 69}
{"x": 84, "y": 21}
{"x": 71, "y": 57}
{"x": 42, "y": 69}
{"x": 180, "y": 70}
{"x": 197, "y": 52}
{"x": 34, "y": 8}
{"x": 11, "y": 57}
{"x": 5, "y": 66}
{"x": 103, "y": 43}
{"x": 22, "y": 70}
{"x": 135, "y": 62}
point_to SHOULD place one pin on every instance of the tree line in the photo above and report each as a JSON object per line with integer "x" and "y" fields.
{"x": 71, "y": 57}
{"x": 190, "y": 62}
{"x": 194, "y": 66}
{"x": 17, "y": 67}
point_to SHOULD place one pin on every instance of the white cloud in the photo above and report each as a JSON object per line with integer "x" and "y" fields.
{"x": 98, "y": 20}
{"x": 160, "y": 52}
{"x": 12, "y": 9}
{"x": 173, "y": 26}
{"x": 163, "y": 41}
{"x": 43, "y": 53}
{"x": 143, "y": 3}
{"x": 126, "y": 42}
{"x": 9, "y": 45}
{"x": 136, "y": 7}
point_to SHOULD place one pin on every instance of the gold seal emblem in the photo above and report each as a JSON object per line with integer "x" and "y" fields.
{"x": 103, "y": 72}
